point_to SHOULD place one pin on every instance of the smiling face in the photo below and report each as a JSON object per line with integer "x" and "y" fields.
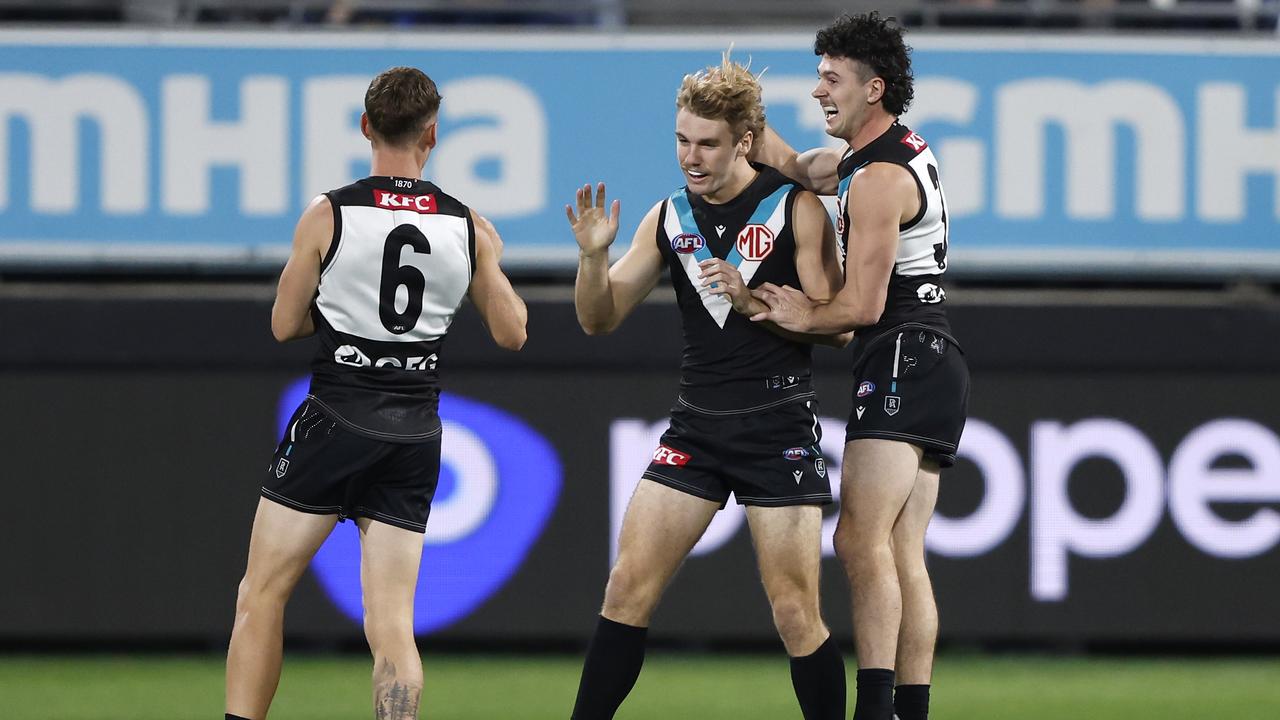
{"x": 711, "y": 159}
{"x": 848, "y": 94}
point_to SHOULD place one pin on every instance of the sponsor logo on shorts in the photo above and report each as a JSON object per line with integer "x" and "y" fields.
{"x": 892, "y": 404}
{"x": 865, "y": 388}
{"x": 796, "y": 453}
{"x": 821, "y": 466}
{"x": 931, "y": 294}
{"x": 687, "y": 243}
{"x": 668, "y": 456}
{"x": 282, "y": 467}
{"x": 797, "y": 474}
{"x": 861, "y": 410}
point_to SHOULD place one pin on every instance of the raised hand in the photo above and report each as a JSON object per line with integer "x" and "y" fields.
{"x": 593, "y": 228}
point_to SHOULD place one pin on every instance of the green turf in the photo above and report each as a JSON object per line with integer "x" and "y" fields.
{"x": 672, "y": 687}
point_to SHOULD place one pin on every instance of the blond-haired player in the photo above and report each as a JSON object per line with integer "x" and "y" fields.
{"x": 745, "y": 420}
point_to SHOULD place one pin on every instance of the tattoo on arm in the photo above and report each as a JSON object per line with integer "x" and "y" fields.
{"x": 392, "y": 699}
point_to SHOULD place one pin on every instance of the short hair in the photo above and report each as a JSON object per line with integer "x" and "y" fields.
{"x": 877, "y": 43}
{"x": 399, "y": 102}
{"x": 728, "y": 92}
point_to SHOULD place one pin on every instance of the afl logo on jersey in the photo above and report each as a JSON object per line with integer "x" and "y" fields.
{"x": 755, "y": 242}
{"x": 914, "y": 141}
{"x": 421, "y": 204}
{"x": 687, "y": 243}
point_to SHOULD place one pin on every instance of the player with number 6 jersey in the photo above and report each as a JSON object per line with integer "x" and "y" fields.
{"x": 377, "y": 271}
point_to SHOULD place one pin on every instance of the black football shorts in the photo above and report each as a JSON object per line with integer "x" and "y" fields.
{"x": 911, "y": 384}
{"x": 324, "y": 469}
{"x": 770, "y": 458}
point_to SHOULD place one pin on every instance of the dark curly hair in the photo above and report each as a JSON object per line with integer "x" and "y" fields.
{"x": 876, "y": 42}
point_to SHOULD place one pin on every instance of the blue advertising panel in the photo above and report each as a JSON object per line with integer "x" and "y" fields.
{"x": 1113, "y": 154}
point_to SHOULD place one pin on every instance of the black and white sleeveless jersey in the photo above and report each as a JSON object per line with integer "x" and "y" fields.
{"x": 731, "y": 364}
{"x": 916, "y": 294}
{"x": 401, "y": 260}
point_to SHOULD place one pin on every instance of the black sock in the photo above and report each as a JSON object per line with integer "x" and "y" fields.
{"x": 875, "y": 695}
{"x": 610, "y": 670}
{"x": 819, "y": 682}
{"x": 911, "y": 702}
{"x": 234, "y": 717}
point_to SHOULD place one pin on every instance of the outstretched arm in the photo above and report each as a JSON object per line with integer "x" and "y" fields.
{"x": 817, "y": 169}
{"x": 602, "y": 295}
{"x": 501, "y": 309}
{"x": 291, "y": 313}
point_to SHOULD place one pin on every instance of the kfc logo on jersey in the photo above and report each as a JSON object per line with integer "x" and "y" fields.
{"x": 865, "y": 388}
{"x": 795, "y": 453}
{"x": 914, "y": 141}
{"x": 666, "y": 456}
{"x": 687, "y": 243}
{"x": 755, "y": 242}
{"x": 422, "y": 204}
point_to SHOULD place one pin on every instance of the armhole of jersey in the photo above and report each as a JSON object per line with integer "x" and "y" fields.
{"x": 337, "y": 232}
{"x": 661, "y": 228}
{"x": 924, "y": 200}
{"x": 471, "y": 239}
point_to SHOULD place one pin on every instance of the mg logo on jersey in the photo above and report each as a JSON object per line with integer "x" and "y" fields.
{"x": 755, "y": 242}
{"x": 687, "y": 243}
{"x": 914, "y": 141}
{"x": 422, "y": 204}
{"x": 667, "y": 456}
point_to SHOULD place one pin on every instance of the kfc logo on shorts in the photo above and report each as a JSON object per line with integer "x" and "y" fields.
{"x": 667, "y": 456}
{"x": 795, "y": 453}
{"x": 687, "y": 243}
{"x": 915, "y": 142}
{"x": 421, "y": 204}
{"x": 865, "y": 388}
{"x": 755, "y": 242}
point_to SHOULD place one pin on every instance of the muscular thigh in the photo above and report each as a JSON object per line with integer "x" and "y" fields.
{"x": 660, "y": 527}
{"x": 878, "y": 478}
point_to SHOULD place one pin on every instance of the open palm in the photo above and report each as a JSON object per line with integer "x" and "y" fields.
{"x": 593, "y": 228}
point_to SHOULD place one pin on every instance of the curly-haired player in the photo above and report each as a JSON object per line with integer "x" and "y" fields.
{"x": 745, "y": 421}
{"x": 911, "y": 380}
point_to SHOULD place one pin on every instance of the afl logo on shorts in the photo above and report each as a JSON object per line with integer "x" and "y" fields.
{"x": 795, "y": 453}
{"x": 865, "y": 388}
{"x": 755, "y": 242}
{"x": 687, "y": 243}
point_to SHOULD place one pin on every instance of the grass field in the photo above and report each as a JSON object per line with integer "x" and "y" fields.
{"x": 672, "y": 687}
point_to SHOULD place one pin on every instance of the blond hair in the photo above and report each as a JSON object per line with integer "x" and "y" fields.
{"x": 728, "y": 92}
